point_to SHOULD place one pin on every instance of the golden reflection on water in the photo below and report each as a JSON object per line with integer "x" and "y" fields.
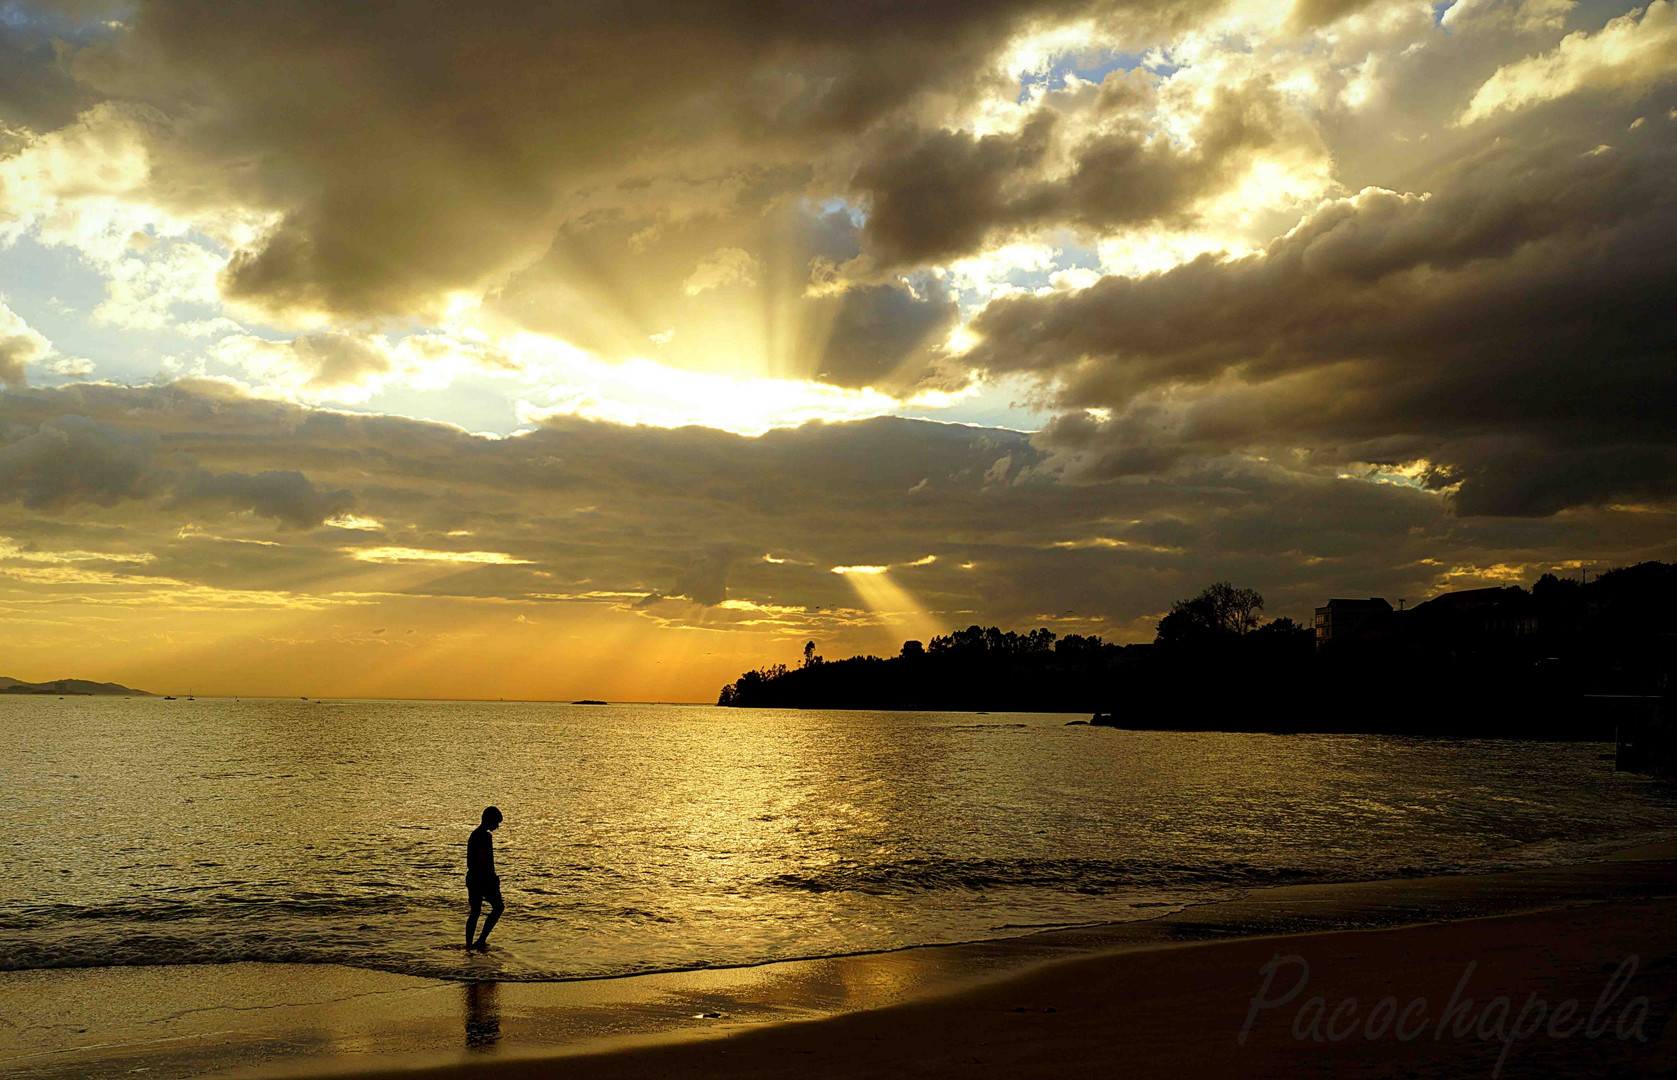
{"x": 661, "y": 837}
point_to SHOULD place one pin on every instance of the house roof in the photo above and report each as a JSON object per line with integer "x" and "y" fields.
{"x": 1473, "y": 598}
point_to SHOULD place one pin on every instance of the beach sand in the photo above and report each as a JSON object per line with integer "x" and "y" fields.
{"x": 1177, "y": 1011}
{"x": 1164, "y": 997}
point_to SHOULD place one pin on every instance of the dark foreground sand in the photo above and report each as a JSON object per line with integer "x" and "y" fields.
{"x": 1178, "y": 1011}
{"x": 1569, "y": 971}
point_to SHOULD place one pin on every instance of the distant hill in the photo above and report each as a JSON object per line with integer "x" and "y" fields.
{"x": 70, "y": 686}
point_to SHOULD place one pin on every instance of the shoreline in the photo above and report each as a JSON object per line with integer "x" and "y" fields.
{"x": 1576, "y": 991}
{"x": 284, "y": 1020}
{"x": 1646, "y": 851}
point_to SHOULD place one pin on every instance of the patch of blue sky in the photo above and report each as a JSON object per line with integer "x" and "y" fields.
{"x": 52, "y": 288}
{"x": 58, "y": 21}
{"x": 55, "y": 292}
{"x": 203, "y": 240}
{"x": 1078, "y": 254}
{"x": 999, "y": 405}
{"x": 969, "y": 302}
{"x": 834, "y": 204}
{"x": 1091, "y": 65}
{"x": 391, "y": 328}
{"x": 1069, "y": 254}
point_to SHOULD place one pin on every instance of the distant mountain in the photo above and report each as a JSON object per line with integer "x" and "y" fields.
{"x": 69, "y": 686}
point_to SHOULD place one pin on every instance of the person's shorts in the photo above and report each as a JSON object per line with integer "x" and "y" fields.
{"x": 485, "y": 888}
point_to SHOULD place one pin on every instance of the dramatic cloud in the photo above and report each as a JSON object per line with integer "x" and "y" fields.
{"x": 418, "y": 169}
{"x": 1511, "y": 330}
{"x": 1627, "y": 57}
{"x": 641, "y": 311}
{"x": 70, "y": 459}
{"x": 351, "y": 366}
{"x": 286, "y": 496}
{"x": 942, "y": 194}
{"x": 19, "y": 345}
{"x": 702, "y": 529}
{"x": 880, "y": 329}
{"x": 725, "y": 266}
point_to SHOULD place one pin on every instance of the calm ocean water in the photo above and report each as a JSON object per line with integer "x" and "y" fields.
{"x": 644, "y": 837}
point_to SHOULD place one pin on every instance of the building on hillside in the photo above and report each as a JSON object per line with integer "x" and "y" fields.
{"x": 1342, "y": 619}
{"x": 1478, "y": 617}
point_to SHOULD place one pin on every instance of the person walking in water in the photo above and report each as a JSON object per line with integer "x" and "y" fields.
{"x": 481, "y": 882}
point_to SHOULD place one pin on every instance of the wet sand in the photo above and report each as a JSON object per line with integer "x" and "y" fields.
{"x": 1179, "y": 1011}
{"x": 1165, "y": 997}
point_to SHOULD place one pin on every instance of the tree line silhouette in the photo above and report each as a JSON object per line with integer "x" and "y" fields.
{"x": 1506, "y": 661}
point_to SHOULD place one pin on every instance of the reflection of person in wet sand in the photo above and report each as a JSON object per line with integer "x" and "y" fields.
{"x": 483, "y": 1015}
{"x": 481, "y": 882}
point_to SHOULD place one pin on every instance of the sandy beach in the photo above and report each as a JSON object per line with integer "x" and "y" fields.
{"x": 1180, "y": 1012}
{"x": 1162, "y": 997}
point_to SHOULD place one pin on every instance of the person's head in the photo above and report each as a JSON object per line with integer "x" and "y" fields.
{"x": 491, "y": 818}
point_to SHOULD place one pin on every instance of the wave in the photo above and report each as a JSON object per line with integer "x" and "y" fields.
{"x": 1092, "y": 877}
{"x": 142, "y": 950}
{"x": 411, "y": 934}
{"x": 1139, "y": 879}
{"x": 201, "y": 905}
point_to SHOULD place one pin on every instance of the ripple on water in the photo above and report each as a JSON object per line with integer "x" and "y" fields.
{"x": 664, "y": 837}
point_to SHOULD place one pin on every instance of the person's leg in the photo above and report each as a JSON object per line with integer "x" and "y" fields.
{"x": 495, "y": 909}
{"x": 471, "y": 920}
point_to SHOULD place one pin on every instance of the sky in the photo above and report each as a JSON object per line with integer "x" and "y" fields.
{"x": 608, "y": 350}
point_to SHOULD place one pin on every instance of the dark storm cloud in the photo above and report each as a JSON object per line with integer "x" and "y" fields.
{"x": 880, "y": 328}
{"x": 701, "y": 178}
{"x": 71, "y": 459}
{"x": 936, "y": 194}
{"x": 427, "y": 148}
{"x": 35, "y": 91}
{"x": 1511, "y": 328}
{"x": 750, "y": 529}
{"x": 706, "y": 581}
{"x": 574, "y": 166}
{"x": 287, "y": 496}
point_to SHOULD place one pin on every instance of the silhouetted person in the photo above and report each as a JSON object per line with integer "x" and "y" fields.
{"x": 481, "y": 882}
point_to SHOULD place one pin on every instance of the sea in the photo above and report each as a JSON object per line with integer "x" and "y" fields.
{"x": 642, "y": 838}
